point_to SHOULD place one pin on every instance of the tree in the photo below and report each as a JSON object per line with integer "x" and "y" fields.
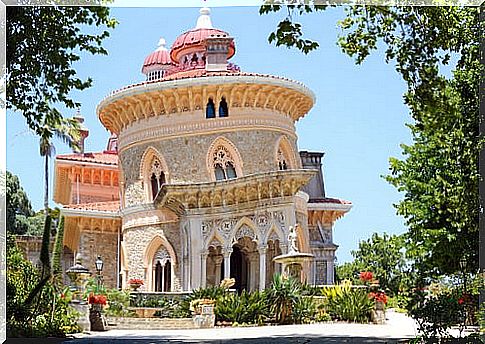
{"x": 384, "y": 255}
{"x": 42, "y": 44}
{"x": 18, "y": 206}
{"x": 439, "y": 176}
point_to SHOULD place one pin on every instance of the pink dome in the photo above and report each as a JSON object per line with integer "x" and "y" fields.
{"x": 159, "y": 57}
{"x": 196, "y": 37}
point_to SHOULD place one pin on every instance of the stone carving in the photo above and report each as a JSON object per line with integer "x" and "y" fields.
{"x": 293, "y": 248}
{"x": 320, "y": 272}
{"x": 161, "y": 256}
{"x": 245, "y": 231}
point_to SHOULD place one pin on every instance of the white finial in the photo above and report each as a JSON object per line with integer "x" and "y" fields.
{"x": 161, "y": 44}
{"x": 204, "y": 21}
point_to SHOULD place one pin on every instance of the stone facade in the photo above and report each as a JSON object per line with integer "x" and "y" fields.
{"x": 94, "y": 243}
{"x": 210, "y": 179}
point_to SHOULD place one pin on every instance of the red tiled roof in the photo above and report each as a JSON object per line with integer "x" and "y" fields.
{"x": 196, "y": 37}
{"x": 112, "y": 206}
{"x": 329, "y": 200}
{"x": 158, "y": 57}
{"x": 106, "y": 157}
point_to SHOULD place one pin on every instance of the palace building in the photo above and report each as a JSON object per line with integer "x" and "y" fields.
{"x": 201, "y": 177}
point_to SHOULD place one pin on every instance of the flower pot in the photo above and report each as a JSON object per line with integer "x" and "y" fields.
{"x": 135, "y": 286}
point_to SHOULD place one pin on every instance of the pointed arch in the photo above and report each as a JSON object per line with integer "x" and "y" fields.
{"x": 245, "y": 227}
{"x": 214, "y": 239}
{"x": 156, "y": 244}
{"x": 153, "y": 172}
{"x": 272, "y": 233}
{"x": 285, "y": 156}
{"x": 227, "y": 167}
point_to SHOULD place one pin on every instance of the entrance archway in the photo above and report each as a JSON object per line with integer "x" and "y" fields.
{"x": 245, "y": 264}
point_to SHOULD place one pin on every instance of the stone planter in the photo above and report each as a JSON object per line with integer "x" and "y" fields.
{"x": 203, "y": 313}
{"x": 378, "y": 315}
{"x": 135, "y": 286}
{"x": 96, "y": 319}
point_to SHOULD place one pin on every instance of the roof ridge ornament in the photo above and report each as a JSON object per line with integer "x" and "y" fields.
{"x": 204, "y": 20}
{"x": 161, "y": 45}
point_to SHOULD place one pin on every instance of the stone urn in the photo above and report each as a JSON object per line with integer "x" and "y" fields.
{"x": 96, "y": 319}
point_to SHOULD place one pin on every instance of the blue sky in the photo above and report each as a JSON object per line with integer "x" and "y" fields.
{"x": 358, "y": 119}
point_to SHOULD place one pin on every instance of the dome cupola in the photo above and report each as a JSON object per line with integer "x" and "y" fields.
{"x": 190, "y": 47}
{"x": 157, "y": 63}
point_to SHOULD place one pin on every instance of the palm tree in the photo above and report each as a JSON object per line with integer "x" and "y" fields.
{"x": 67, "y": 130}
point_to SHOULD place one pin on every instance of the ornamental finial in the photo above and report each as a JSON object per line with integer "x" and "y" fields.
{"x": 204, "y": 20}
{"x": 161, "y": 44}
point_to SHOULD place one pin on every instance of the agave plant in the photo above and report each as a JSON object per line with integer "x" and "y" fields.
{"x": 246, "y": 308}
{"x": 283, "y": 295}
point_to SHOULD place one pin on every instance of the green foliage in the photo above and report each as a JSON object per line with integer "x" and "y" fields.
{"x": 435, "y": 315}
{"x": 305, "y": 311}
{"x": 439, "y": 175}
{"x": 349, "y": 304}
{"x": 50, "y": 316}
{"x": 384, "y": 256}
{"x": 246, "y": 308}
{"x": 171, "y": 307}
{"x": 283, "y": 295}
{"x": 289, "y": 33}
{"x": 58, "y": 247}
{"x": 18, "y": 206}
{"x": 118, "y": 303}
{"x": 212, "y": 293}
{"x": 40, "y": 71}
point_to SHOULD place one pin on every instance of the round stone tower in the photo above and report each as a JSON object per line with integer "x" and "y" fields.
{"x": 210, "y": 171}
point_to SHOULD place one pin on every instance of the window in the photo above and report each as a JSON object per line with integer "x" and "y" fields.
{"x": 162, "y": 271}
{"x": 157, "y": 177}
{"x": 224, "y": 167}
{"x": 282, "y": 164}
{"x": 223, "y": 110}
{"x": 210, "y": 111}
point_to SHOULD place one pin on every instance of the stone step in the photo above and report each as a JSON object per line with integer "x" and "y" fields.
{"x": 150, "y": 323}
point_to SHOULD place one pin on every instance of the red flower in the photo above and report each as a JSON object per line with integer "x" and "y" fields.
{"x": 63, "y": 296}
{"x": 378, "y": 297}
{"x": 97, "y": 299}
{"x": 366, "y": 276}
{"x": 461, "y": 300}
{"x": 135, "y": 281}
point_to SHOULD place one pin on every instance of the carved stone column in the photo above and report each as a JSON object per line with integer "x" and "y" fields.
{"x": 253, "y": 266}
{"x": 262, "y": 267}
{"x": 203, "y": 268}
{"x": 217, "y": 262}
{"x": 227, "y": 262}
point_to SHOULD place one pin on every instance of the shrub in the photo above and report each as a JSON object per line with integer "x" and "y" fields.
{"x": 347, "y": 303}
{"x": 246, "y": 308}
{"x": 118, "y": 303}
{"x": 435, "y": 314}
{"x": 282, "y": 297}
{"x": 305, "y": 310}
{"x": 50, "y": 314}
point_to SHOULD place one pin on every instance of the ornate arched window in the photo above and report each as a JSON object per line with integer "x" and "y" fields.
{"x": 157, "y": 177}
{"x": 223, "y": 109}
{"x": 282, "y": 163}
{"x": 162, "y": 271}
{"x": 210, "y": 111}
{"x": 223, "y": 163}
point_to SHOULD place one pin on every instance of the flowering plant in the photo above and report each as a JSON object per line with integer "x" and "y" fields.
{"x": 97, "y": 299}
{"x": 379, "y": 296}
{"x": 135, "y": 281}
{"x": 366, "y": 276}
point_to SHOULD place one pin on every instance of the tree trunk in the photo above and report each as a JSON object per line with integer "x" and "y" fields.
{"x": 46, "y": 186}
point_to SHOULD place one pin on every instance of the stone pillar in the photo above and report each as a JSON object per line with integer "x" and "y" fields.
{"x": 218, "y": 261}
{"x": 227, "y": 262}
{"x": 330, "y": 271}
{"x": 262, "y": 267}
{"x": 253, "y": 266}
{"x": 203, "y": 268}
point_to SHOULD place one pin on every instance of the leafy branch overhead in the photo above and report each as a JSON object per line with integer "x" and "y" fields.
{"x": 42, "y": 45}
{"x": 439, "y": 175}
